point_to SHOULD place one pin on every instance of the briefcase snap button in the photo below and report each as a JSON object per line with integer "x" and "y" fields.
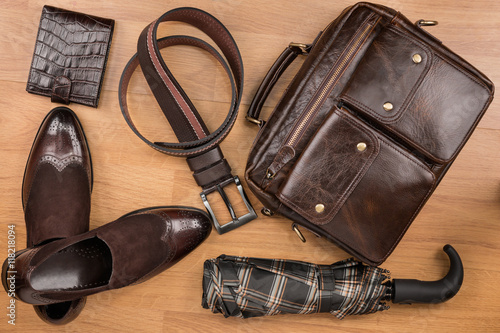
{"x": 361, "y": 146}
{"x": 417, "y": 58}
{"x": 388, "y": 106}
{"x": 320, "y": 208}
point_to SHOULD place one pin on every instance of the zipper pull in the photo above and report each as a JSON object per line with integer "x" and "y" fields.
{"x": 284, "y": 155}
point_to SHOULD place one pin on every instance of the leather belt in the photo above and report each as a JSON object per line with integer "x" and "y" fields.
{"x": 201, "y": 148}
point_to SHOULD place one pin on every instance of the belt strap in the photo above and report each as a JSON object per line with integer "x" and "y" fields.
{"x": 201, "y": 148}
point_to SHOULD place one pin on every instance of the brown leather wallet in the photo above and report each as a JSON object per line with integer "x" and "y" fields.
{"x": 366, "y": 131}
{"x": 70, "y": 56}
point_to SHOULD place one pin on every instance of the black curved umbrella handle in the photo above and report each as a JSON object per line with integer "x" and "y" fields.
{"x": 409, "y": 291}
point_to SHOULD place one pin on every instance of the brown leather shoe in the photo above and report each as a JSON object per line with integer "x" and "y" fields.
{"x": 56, "y": 193}
{"x": 127, "y": 251}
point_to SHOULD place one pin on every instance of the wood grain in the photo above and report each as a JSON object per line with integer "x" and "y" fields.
{"x": 464, "y": 211}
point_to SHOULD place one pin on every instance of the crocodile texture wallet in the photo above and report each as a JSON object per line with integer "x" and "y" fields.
{"x": 70, "y": 56}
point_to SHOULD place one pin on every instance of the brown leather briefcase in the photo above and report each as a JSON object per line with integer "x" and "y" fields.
{"x": 366, "y": 130}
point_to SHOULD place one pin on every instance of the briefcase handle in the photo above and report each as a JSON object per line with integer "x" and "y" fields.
{"x": 278, "y": 68}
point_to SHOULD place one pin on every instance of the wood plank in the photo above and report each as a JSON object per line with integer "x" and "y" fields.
{"x": 464, "y": 211}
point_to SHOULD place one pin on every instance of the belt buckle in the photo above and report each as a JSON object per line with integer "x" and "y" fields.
{"x": 237, "y": 221}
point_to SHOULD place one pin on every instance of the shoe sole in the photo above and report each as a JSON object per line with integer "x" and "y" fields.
{"x": 161, "y": 207}
{"x": 5, "y": 269}
{"x": 38, "y": 132}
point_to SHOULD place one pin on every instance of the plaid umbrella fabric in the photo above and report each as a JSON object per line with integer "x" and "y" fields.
{"x": 250, "y": 287}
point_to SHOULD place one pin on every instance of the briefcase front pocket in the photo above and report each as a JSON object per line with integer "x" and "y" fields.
{"x": 357, "y": 185}
{"x": 417, "y": 94}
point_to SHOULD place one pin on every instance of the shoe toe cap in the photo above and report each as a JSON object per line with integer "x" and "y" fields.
{"x": 187, "y": 228}
{"x": 60, "y": 142}
{"x": 190, "y": 228}
{"x": 61, "y": 135}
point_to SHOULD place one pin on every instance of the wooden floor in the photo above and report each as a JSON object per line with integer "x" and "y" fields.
{"x": 464, "y": 211}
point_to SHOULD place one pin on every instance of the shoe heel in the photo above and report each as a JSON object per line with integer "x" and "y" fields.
{"x": 5, "y": 269}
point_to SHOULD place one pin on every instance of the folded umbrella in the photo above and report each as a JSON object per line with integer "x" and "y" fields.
{"x": 250, "y": 287}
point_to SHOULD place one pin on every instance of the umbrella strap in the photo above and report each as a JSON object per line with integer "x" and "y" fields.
{"x": 229, "y": 281}
{"x": 327, "y": 295}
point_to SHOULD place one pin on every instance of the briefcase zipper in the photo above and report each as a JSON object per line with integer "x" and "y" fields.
{"x": 287, "y": 150}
